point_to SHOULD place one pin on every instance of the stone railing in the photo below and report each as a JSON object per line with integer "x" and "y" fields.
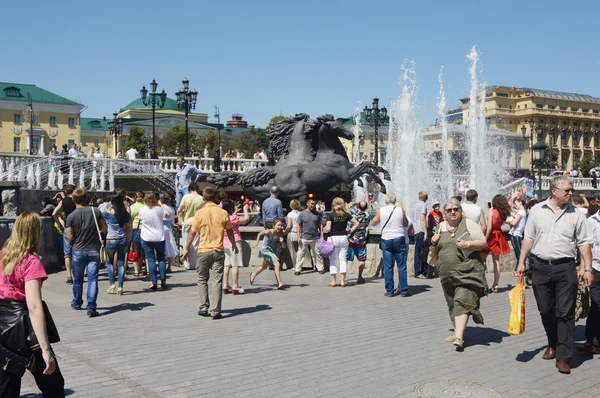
{"x": 207, "y": 165}
{"x": 579, "y": 184}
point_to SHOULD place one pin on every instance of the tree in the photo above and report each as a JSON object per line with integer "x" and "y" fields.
{"x": 173, "y": 142}
{"x": 584, "y": 163}
{"x": 208, "y": 139}
{"x": 251, "y": 141}
{"x": 137, "y": 139}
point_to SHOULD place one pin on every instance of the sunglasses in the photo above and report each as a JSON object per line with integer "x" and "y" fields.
{"x": 567, "y": 191}
{"x": 453, "y": 210}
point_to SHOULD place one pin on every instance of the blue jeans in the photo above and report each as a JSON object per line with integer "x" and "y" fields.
{"x": 394, "y": 249}
{"x": 420, "y": 268}
{"x": 149, "y": 250}
{"x": 120, "y": 248}
{"x": 516, "y": 243}
{"x": 81, "y": 260}
{"x": 179, "y": 196}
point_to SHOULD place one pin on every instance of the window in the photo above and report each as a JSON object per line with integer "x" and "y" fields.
{"x": 71, "y": 142}
{"x": 372, "y": 139}
{"x": 574, "y": 109}
{"x": 17, "y": 118}
{"x": 12, "y": 92}
{"x": 595, "y": 111}
{"x": 554, "y": 122}
{"x": 96, "y": 142}
{"x": 53, "y": 120}
{"x": 381, "y": 138}
{"x": 596, "y": 142}
{"x": 586, "y": 139}
{"x": 502, "y": 94}
{"x": 35, "y": 146}
{"x": 586, "y": 124}
{"x": 71, "y": 121}
{"x": 563, "y": 137}
{"x": 17, "y": 144}
{"x": 83, "y": 142}
{"x": 575, "y": 124}
{"x": 551, "y": 106}
{"x": 585, "y": 110}
{"x": 575, "y": 140}
{"x": 52, "y": 142}
{"x": 563, "y": 108}
{"x": 34, "y": 118}
{"x": 95, "y": 123}
{"x": 108, "y": 142}
{"x": 518, "y": 106}
{"x": 123, "y": 143}
{"x": 525, "y": 106}
{"x": 539, "y": 106}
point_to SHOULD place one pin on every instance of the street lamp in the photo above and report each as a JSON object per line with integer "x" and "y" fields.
{"x": 538, "y": 130}
{"x": 186, "y": 101}
{"x": 376, "y": 116}
{"x": 31, "y": 116}
{"x": 539, "y": 150}
{"x": 115, "y": 128}
{"x": 155, "y": 100}
{"x": 217, "y": 166}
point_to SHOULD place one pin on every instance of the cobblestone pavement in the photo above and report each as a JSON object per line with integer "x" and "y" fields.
{"x": 308, "y": 341}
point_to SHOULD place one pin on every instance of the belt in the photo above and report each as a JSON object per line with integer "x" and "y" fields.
{"x": 557, "y": 261}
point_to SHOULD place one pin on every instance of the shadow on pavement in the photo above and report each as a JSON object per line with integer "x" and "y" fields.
{"x": 68, "y": 392}
{"x": 483, "y": 336}
{"x": 245, "y": 310}
{"x": 527, "y": 356}
{"x": 124, "y": 307}
{"x": 417, "y": 289}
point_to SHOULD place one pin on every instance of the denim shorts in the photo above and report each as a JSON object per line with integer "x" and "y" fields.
{"x": 67, "y": 246}
{"x": 357, "y": 249}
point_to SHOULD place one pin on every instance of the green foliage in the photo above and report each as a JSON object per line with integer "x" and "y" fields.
{"x": 137, "y": 139}
{"x": 250, "y": 142}
{"x": 274, "y": 120}
{"x": 173, "y": 142}
{"x": 208, "y": 139}
{"x": 585, "y": 163}
{"x": 550, "y": 159}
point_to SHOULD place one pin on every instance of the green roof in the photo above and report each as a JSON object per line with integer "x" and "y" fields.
{"x": 363, "y": 121}
{"x": 18, "y": 92}
{"x": 97, "y": 124}
{"x": 170, "y": 104}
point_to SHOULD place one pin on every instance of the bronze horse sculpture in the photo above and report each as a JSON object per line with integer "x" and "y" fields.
{"x": 311, "y": 160}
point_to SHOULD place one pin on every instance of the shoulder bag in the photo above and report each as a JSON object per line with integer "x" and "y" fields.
{"x": 432, "y": 256}
{"x": 385, "y": 225}
{"x": 103, "y": 253}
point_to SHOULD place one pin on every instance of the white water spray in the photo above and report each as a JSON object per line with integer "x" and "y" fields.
{"x": 446, "y": 167}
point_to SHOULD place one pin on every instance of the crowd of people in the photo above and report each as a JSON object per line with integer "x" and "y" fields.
{"x": 452, "y": 240}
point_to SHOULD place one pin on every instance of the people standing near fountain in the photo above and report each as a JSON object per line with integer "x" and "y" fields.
{"x": 393, "y": 244}
{"x": 21, "y": 279}
{"x": 82, "y": 231}
{"x": 171, "y": 251}
{"x": 233, "y": 260}
{"x": 357, "y": 240}
{"x": 273, "y": 238}
{"x": 210, "y": 222}
{"x": 553, "y": 235}
{"x": 337, "y": 228}
{"x": 131, "y": 153}
{"x": 47, "y": 207}
{"x": 496, "y": 239}
{"x": 308, "y": 229}
{"x": 518, "y": 228}
{"x": 472, "y": 211}
{"x": 118, "y": 221}
{"x": 458, "y": 242}
{"x": 185, "y": 175}
{"x": 153, "y": 239}
{"x": 272, "y": 210}
{"x": 529, "y": 187}
{"x": 134, "y": 210}
{"x": 420, "y": 226}
{"x": 291, "y": 239}
{"x": 74, "y": 151}
{"x": 190, "y": 204}
{"x": 64, "y": 208}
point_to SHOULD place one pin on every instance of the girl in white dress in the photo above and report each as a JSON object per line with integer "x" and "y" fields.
{"x": 169, "y": 218}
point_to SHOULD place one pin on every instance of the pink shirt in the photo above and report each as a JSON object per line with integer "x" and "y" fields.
{"x": 12, "y": 287}
{"x": 234, "y": 219}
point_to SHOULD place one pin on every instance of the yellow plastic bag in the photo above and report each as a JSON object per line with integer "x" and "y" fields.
{"x": 516, "y": 322}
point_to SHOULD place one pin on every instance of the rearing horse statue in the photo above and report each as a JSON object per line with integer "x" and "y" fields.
{"x": 311, "y": 160}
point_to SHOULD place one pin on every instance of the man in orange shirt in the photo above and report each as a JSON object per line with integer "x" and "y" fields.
{"x": 210, "y": 222}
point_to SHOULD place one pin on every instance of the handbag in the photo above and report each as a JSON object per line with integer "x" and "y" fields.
{"x": 324, "y": 247}
{"x": 385, "y": 225}
{"x": 582, "y": 303}
{"x": 432, "y": 256}
{"x": 103, "y": 253}
{"x": 132, "y": 256}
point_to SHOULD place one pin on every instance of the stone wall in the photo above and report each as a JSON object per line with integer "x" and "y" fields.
{"x": 49, "y": 253}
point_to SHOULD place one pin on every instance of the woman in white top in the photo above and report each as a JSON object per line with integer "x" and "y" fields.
{"x": 472, "y": 211}
{"x": 290, "y": 230}
{"x": 153, "y": 239}
{"x": 518, "y": 228}
{"x": 168, "y": 220}
{"x": 393, "y": 245}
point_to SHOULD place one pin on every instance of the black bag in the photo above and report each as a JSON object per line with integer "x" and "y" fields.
{"x": 51, "y": 330}
{"x": 12, "y": 362}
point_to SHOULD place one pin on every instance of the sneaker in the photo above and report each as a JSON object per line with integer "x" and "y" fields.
{"x": 360, "y": 281}
{"x": 92, "y": 314}
{"x": 459, "y": 344}
{"x": 322, "y": 272}
{"x": 164, "y": 286}
{"x": 69, "y": 280}
{"x": 216, "y": 316}
{"x": 203, "y": 312}
{"x": 75, "y": 307}
{"x": 297, "y": 273}
{"x": 451, "y": 338}
{"x": 406, "y": 295}
{"x": 152, "y": 287}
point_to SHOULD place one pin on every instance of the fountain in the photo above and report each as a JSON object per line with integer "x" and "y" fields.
{"x": 52, "y": 178}
{"x": 38, "y": 177}
{"x": 359, "y": 192}
{"x": 446, "y": 167}
{"x": 60, "y": 179}
{"x": 94, "y": 180}
{"x": 81, "y": 179}
{"x": 102, "y": 180}
{"x": 21, "y": 173}
{"x": 11, "y": 171}
{"x": 71, "y": 179}
{"x": 30, "y": 176}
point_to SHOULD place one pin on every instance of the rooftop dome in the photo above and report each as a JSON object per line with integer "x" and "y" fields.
{"x": 170, "y": 104}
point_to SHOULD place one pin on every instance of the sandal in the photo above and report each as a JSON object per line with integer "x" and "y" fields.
{"x": 251, "y": 280}
{"x": 342, "y": 284}
{"x": 237, "y": 290}
{"x": 494, "y": 289}
{"x": 282, "y": 287}
{"x": 451, "y": 338}
{"x": 331, "y": 284}
{"x": 225, "y": 290}
{"x": 136, "y": 274}
{"x": 459, "y": 344}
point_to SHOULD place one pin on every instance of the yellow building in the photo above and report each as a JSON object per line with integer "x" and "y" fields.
{"x": 367, "y": 144}
{"x": 55, "y": 119}
{"x": 95, "y": 133}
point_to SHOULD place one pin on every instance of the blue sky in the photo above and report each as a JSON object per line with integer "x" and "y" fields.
{"x": 262, "y": 58}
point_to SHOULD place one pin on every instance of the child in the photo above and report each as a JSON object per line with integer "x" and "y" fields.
{"x": 232, "y": 259}
{"x": 267, "y": 251}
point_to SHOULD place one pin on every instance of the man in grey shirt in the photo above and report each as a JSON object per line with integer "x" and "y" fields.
{"x": 553, "y": 234}
{"x": 308, "y": 228}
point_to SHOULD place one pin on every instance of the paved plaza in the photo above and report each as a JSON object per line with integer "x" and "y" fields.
{"x": 308, "y": 341}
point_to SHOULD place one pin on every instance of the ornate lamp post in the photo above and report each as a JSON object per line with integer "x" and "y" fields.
{"x": 539, "y": 150}
{"x": 539, "y": 134}
{"x": 376, "y": 116}
{"x": 154, "y": 100}
{"x": 115, "y": 128}
{"x": 186, "y": 101}
{"x": 217, "y": 166}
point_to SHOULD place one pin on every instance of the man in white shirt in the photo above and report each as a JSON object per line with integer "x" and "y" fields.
{"x": 263, "y": 155}
{"x": 131, "y": 153}
{"x": 420, "y": 226}
{"x": 472, "y": 211}
{"x": 74, "y": 152}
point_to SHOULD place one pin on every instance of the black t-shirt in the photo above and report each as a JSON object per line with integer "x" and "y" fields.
{"x": 338, "y": 223}
{"x": 84, "y": 228}
{"x": 68, "y": 206}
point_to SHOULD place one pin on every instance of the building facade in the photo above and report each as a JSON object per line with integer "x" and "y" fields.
{"x": 95, "y": 133}
{"x": 367, "y": 141}
{"x": 52, "y": 119}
